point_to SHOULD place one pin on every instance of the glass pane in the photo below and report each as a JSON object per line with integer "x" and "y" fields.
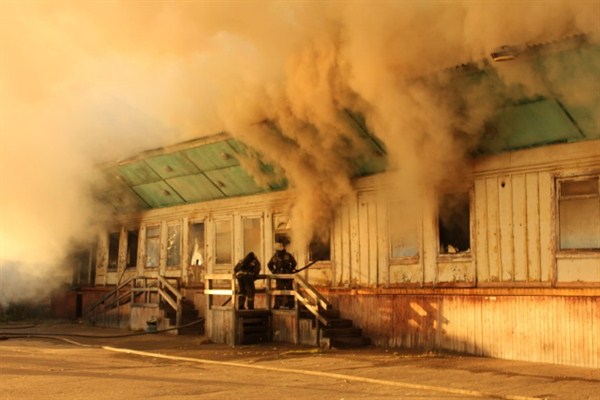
{"x": 152, "y": 246}
{"x": 252, "y": 236}
{"x": 403, "y": 233}
{"x": 579, "y": 188}
{"x": 174, "y": 246}
{"x": 579, "y": 223}
{"x": 152, "y": 252}
{"x": 196, "y": 244}
{"x": 222, "y": 242}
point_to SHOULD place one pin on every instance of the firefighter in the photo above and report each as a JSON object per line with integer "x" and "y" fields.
{"x": 282, "y": 262}
{"x": 246, "y": 271}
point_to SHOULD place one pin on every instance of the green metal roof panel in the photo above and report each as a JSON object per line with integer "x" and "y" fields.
{"x": 212, "y": 156}
{"x": 234, "y": 181}
{"x": 158, "y": 194}
{"x": 172, "y": 165}
{"x": 194, "y": 188}
{"x": 137, "y": 173}
{"x": 532, "y": 124}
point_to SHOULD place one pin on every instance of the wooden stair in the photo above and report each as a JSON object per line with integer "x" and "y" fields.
{"x": 253, "y": 326}
{"x": 189, "y": 314}
{"x": 338, "y": 332}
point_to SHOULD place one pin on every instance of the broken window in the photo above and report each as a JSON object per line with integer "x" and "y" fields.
{"x": 81, "y": 261}
{"x": 113, "y": 251}
{"x": 174, "y": 246}
{"x": 252, "y": 236}
{"x": 132, "y": 248}
{"x": 319, "y": 248}
{"x": 223, "y": 240}
{"x": 454, "y": 223}
{"x": 403, "y": 237}
{"x": 196, "y": 243}
{"x": 282, "y": 229}
{"x": 579, "y": 213}
{"x": 152, "y": 246}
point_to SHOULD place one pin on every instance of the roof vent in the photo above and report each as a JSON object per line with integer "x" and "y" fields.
{"x": 504, "y": 53}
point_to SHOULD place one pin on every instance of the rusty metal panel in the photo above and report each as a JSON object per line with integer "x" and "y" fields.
{"x": 547, "y": 229}
{"x": 212, "y": 156}
{"x": 533, "y": 228}
{"x": 505, "y": 213}
{"x": 493, "y": 228}
{"x": 455, "y": 271}
{"x": 194, "y": 188}
{"x": 519, "y": 206}
{"x": 137, "y": 173}
{"x": 481, "y": 236}
{"x": 158, "y": 194}
{"x": 234, "y": 181}
{"x": 578, "y": 269}
{"x": 172, "y": 165}
{"x": 364, "y": 278}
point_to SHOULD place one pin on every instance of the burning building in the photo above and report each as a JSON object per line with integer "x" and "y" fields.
{"x": 445, "y": 195}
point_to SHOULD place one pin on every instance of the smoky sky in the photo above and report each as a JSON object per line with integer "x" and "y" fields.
{"x": 86, "y": 82}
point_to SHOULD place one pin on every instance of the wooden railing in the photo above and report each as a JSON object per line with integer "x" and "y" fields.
{"x": 303, "y": 292}
{"x": 140, "y": 290}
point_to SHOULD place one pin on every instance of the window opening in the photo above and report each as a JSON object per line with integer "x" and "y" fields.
{"x": 454, "y": 223}
{"x": 152, "y": 246}
{"x": 320, "y": 248}
{"x": 132, "y": 248}
{"x": 223, "y": 240}
{"x": 113, "y": 251}
{"x": 196, "y": 243}
{"x": 174, "y": 246}
{"x": 81, "y": 260}
{"x": 579, "y": 214}
{"x": 252, "y": 235}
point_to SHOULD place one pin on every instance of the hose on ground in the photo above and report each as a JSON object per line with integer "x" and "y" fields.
{"x": 9, "y": 335}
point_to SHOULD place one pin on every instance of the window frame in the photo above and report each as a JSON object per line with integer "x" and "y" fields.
{"x": 410, "y": 259}
{"x": 558, "y": 198}
{"x": 466, "y": 255}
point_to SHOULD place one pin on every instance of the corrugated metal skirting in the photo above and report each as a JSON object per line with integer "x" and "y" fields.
{"x": 554, "y": 329}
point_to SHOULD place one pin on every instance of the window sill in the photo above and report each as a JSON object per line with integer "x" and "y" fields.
{"x": 404, "y": 260}
{"x": 458, "y": 257}
{"x": 577, "y": 254}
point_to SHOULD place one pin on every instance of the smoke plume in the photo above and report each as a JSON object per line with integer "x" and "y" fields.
{"x": 85, "y": 82}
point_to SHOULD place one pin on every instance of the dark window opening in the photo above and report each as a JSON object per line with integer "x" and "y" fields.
{"x": 454, "y": 223}
{"x": 113, "y": 251}
{"x": 132, "y": 248}
{"x": 81, "y": 262}
{"x": 196, "y": 243}
{"x": 320, "y": 249}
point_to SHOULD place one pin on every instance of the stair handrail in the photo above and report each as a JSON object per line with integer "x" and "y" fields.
{"x": 320, "y": 302}
{"x": 175, "y": 300}
{"x": 109, "y": 294}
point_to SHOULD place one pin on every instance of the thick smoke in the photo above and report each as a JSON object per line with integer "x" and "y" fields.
{"x": 87, "y": 82}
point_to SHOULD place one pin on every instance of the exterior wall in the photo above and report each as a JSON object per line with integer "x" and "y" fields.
{"x": 504, "y": 297}
{"x": 540, "y": 325}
